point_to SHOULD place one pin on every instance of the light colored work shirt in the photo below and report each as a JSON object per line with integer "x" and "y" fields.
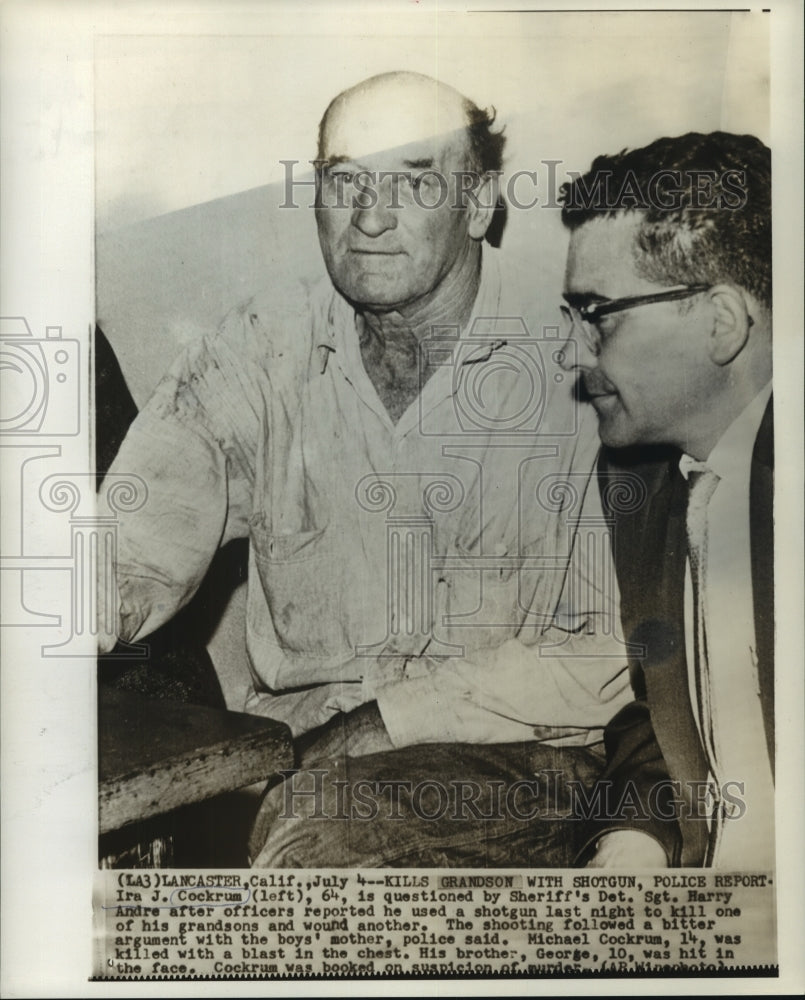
{"x": 381, "y": 555}
{"x": 736, "y": 744}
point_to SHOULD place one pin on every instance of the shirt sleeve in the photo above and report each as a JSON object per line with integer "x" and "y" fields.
{"x": 307, "y": 708}
{"x": 563, "y": 694}
{"x": 188, "y": 456}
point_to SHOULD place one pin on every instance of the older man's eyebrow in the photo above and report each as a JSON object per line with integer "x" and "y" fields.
{"x": 423, "y": 164}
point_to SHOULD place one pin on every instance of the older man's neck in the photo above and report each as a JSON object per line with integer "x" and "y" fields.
{"x": 391, "y": 341}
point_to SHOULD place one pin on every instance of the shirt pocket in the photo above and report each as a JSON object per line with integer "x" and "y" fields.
{"x": 298, "y": 547}
{"x": 303, "y": 578}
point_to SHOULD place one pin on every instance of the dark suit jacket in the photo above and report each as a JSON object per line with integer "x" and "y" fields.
{"x": 654, "y": 741}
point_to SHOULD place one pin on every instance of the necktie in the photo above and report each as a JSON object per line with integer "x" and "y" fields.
{"x": 702, "y": 483}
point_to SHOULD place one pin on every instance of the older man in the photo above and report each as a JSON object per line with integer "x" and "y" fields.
{"x": 668, "y": 307}
{"x": 382, "y": 443}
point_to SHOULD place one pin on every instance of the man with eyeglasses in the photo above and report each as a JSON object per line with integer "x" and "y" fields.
{"x": 669, "y": 321}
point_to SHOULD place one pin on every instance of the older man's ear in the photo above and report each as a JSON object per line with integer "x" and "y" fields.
{"x": 481, "y": 205}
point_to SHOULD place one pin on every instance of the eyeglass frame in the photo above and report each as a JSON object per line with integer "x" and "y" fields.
{"x": 590, "y": 314}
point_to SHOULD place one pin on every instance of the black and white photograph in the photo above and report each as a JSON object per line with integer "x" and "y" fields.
{"x": 396, "y": 583}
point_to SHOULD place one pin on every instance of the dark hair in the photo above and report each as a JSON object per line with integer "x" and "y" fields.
{"x": 705, "y": 206}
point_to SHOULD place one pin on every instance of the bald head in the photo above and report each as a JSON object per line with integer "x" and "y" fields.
{"x": 398, "y": 109}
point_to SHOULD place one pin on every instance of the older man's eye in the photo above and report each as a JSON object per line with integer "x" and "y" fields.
{"x": 339, "y": 177}
{"x": 415, "y": 181}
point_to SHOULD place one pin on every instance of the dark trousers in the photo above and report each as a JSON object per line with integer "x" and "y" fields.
{"x": 430, "y": 806}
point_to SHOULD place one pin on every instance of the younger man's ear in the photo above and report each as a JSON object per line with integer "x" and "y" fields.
{"x": 731, "y": 323}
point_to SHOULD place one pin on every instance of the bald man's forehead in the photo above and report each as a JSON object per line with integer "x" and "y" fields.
{"x": 363, "y": 123}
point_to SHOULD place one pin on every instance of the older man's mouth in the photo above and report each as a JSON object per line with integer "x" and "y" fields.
{"x": 376, "y": 253}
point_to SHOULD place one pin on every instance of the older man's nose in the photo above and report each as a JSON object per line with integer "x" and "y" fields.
{"x": 372, "y": 213}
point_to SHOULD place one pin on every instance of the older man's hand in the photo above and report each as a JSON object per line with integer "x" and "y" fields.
{"x": 351, "y": 734}
{"x": 628, "y": 849}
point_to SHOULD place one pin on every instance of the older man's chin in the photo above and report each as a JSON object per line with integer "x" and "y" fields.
{"x": 377, "y": 295}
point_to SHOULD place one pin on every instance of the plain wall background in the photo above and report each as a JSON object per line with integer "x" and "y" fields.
{"x": 190, "y": 132}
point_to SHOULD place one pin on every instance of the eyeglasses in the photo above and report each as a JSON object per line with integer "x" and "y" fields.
{"x": 586, "y": 316}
